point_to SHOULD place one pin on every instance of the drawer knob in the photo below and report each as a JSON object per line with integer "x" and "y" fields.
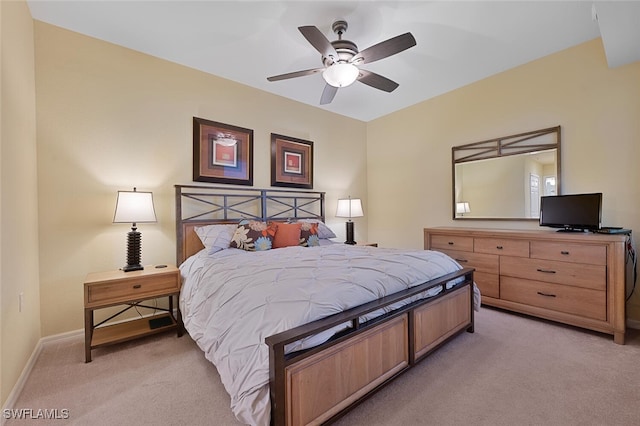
{"x": 450, "y": 243}
{"x": 546, "y": 271}
{"x": 564, "y": 252}
{"x": 546, "y": 294}
{"x": 499, "y": 247}
{"x": 137, "y": 286}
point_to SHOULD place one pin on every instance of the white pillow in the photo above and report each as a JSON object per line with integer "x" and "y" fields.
{"x": 324, "y": 232}
{"x": 216, "y": 237}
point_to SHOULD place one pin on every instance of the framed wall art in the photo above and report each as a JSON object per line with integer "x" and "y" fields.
{"x": 222, "y": 153}
{"x": 291, "y": 162}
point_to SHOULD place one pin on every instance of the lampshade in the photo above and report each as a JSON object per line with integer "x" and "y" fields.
{"x": 340, "y": 74}
{"x": 462, "y": 207}
{"x": 349, "y": 207}
{"x": 134, "y": 207}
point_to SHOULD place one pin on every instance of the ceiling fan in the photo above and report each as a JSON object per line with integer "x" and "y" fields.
{"x": 342, "y": 59}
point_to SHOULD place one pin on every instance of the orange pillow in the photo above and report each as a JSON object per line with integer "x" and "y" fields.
{"x": 287, "y": 234}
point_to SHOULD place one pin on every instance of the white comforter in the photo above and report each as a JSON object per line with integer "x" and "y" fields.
{"x": 232, "y": 300}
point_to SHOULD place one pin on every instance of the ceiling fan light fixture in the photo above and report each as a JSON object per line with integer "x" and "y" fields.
{"x": 340, "y": 74}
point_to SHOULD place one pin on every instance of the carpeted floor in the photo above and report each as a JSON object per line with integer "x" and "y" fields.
{"x": 513, "y": 370}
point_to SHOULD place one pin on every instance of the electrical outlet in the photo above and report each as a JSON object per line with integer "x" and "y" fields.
{"x": 20, "y": 301}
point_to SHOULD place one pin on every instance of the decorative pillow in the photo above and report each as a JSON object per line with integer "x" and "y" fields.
{"x": 253, "y": 235}
{"x": 287, "y": 234}
{"x": 323, "y": 230}
{"x": 309, "y": 234}
{"x": 215, "y": 237}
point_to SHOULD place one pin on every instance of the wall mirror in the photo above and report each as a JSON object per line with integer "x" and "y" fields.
{"x": 504, "y": 178}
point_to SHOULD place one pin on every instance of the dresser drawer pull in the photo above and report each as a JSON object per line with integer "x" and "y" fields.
{"x": 462, "y": 260}
{"x": 450, "y": 243}
{"x": 564, "y": 252}
{"x": 499, "y": 247}
{"x": 137, "y": 286}
{"x": 546, "y": 294}
{"x": 546, "y": 271}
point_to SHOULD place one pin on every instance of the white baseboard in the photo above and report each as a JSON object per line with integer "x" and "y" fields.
{"x": 26, "y": 371}
{"x": 44, "y": 341}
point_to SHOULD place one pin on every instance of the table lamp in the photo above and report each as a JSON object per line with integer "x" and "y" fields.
{"x": 134, "y": 207}
{"x": 349, "y": 207}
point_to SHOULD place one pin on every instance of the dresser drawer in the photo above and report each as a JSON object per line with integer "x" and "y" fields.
{"x": 573, "y": 274}
{"x": 135, "y": 288}
{"x": 572, "y": 300}
{"x": 451, "y": 242}
{"x": 481, "y": 262}
{"x": 566, "y": 252}
{"x": 489, "y": 284}
{"x": 501, "y": 246}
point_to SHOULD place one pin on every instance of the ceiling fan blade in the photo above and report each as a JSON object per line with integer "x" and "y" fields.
{"x": 295, "y": 74}
{"x": 377, "y": 81}
{"x": 328, "y": 94}
{"x": 384, "y": 49}
{"x": 319, "y": 41}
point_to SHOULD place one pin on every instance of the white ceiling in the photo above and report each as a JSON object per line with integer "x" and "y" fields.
{"x": 458, "y": 42}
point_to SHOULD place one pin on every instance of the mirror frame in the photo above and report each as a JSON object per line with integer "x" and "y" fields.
{"x": 521, "y": 143}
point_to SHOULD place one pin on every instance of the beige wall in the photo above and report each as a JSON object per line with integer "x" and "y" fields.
{"x": 20, "y": 330}
{"x": 409, "y": 180}
{"x": 110, "y": 118}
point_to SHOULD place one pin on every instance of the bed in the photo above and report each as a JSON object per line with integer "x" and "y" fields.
{"x": 301, "y": 333}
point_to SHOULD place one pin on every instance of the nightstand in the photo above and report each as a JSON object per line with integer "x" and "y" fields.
{"x": 113, "y": 288}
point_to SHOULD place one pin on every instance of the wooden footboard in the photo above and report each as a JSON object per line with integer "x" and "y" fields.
{"x": 435, "y": 322}
{"x": 320, "y": 384}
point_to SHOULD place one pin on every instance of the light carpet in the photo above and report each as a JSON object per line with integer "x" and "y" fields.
{"x": 514, "y": 370}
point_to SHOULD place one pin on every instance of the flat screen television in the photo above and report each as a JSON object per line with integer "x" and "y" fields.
{"x": 578, "y": 212}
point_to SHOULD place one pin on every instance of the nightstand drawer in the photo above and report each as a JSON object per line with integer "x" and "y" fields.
{"x": 134, "y": 288}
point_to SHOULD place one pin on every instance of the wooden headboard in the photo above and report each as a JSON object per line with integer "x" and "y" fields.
{"x": 207, "y": 205}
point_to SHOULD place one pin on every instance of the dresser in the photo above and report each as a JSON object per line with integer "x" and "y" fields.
{"x": 573, "y": 278}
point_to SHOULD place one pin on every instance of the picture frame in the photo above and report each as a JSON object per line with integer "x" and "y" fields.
{"x": 291, "y": 162}
{"x": 222, "y": 153}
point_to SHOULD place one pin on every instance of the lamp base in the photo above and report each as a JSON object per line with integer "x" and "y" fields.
{"x": 350, "y": 232}
{"x": 130, "y": 268}
{"x": 133, "y": 251}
